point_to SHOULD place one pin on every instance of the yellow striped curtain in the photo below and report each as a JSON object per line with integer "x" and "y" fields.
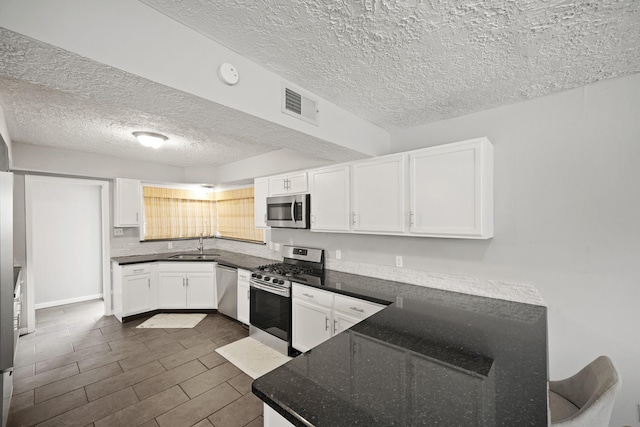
{"x": 174, "y": 214}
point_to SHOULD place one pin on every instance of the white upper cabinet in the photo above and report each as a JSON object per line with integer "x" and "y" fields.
{"x": 440, "y": 191}
{"x": 451, "y": 190}
{"x": 294, "y": 183}
{"x": 260, "y": 193}
{"x": 127, "y": 202}
{"x": 378, "y": 199}
{"x": 330, "y": 199}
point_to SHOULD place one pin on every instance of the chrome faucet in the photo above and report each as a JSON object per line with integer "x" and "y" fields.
{"x": 201, "y": 244}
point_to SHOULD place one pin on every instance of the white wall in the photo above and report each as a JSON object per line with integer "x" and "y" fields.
{"x": 4, "y": 131}
{"x": 172, "y": 54}
{"x": 66, "y": 242}
{"x": 271, "y": 163}
{"x": 37, "y": 158}
{"x": 567, "y": 210}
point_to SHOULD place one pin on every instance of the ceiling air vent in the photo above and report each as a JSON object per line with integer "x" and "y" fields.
{"x": 295, "y": 104}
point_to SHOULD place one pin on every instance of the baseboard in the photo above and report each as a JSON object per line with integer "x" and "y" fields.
{"x": 67, "y": 301}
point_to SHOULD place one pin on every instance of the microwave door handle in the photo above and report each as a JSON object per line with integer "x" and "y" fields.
{"x": 293, "y": 211}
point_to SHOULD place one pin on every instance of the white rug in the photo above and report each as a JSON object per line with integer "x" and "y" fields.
{"x": 252, "y": 357}
{"x": 173, "y": 320}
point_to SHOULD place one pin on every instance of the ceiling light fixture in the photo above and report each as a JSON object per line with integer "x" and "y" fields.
{"x": 150, "y": 139}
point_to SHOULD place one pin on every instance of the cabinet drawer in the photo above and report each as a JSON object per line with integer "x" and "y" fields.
{"x": 312, "y": 295}
{"x": 356, "y": 307}
{"x": 135, "y": 269}
{"x": 187, "y": 267}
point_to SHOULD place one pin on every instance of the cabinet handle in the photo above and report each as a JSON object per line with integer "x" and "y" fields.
{"x": 359, "y": 310}
{"x": 139, "y": 270}
{"x": 248, "y": 294}
{"x": 326, "y": 323}
{"x": 137, "y": 217}
{"x": 183, "y": 282}
{"x": 149, "y": 282}
{"x": 308, "y": 296}
{"x": 353, "y": 218}
{"x": 265, "y": 218}
{"x": 411, "y": 222}
{"x": 335, "y": 326}
{"x": 187, "y": 281}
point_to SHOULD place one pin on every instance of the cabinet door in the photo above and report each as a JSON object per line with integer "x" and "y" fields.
{"x": 342, "y": 321}
{"x": 330, "y": 199}
{"x": 244, "y": 296}
{"x": 451, "y": 190}
{"x": 378, "y": 201}
{"x": 126, "y": 203}
{"x": 172, "y": 292}
{"x": 298, "y": 183}
{"x": 260, "y": 193}
{"x": 311, "y": 324}
{"x": 137, "y": 294}
{"x": 201, "y": 290}
{"x": 278, "y": 185}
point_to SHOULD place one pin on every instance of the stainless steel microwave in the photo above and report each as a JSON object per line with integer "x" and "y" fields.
{"x": 289, "y": 211}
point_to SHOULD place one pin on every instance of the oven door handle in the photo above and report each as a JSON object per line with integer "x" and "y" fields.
{"x": 271, "y": 289}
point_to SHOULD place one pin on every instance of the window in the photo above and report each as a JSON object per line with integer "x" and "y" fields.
{"x": 171, "y": 213}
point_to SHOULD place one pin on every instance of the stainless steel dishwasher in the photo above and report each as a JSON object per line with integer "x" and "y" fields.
{"x": 227, "y": 287}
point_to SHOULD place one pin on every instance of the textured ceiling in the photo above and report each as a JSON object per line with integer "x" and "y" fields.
{"x": 399, "y": 63}
{"x": 52, "y": 97}
{"x": 395, "y": 63}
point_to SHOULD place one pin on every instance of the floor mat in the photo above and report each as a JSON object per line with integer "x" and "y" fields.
{"x": 252, "y": 357}
{"x": 173, "y": 320}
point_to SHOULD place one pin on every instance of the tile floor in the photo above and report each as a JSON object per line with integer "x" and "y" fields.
{"x": 81, "y": 368}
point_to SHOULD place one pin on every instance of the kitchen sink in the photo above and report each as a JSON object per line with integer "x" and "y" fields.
{"x": 195, "y": 256}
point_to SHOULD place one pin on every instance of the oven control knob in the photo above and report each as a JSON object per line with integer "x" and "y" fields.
{"x": 254, "y": 275}
{"x": 259, "y": 276}
{"x": 281, "y": 282}
{"x": 266, "y": 278}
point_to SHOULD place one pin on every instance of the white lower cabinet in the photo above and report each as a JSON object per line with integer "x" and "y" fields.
{"x": 244, "y": 295}
{"x": 311, "y": 324}
{"x": 318, "y": 315}
{"x": 135, "y": 289}
{"x": 274, "y": 419}
{"x": 187, "y": 285}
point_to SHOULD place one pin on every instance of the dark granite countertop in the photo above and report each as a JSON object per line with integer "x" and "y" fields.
{"x": 433, "y": 357}
{"x": 231, "y": 259}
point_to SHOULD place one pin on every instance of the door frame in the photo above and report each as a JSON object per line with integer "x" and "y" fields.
{"x": 106, "y": 248}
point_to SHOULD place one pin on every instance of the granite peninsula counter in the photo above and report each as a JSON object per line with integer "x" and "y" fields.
{"x": 432, "y": 357}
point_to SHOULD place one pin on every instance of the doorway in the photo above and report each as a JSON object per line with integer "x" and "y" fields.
{"x": 67, "y": 242}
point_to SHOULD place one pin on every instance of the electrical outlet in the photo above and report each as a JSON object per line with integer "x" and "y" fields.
{"x": 118, "y": 232}
{"x": 169, "y": 245}
{"x": 276, "y": 246}
{"x": 399, "y": 301}
{"x": 338, "y": 254}
{"x": 270, "y": 246}
{"x": 398, "y": 261}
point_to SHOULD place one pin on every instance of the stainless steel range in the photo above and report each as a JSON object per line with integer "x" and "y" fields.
{"x": 270, "y": 287}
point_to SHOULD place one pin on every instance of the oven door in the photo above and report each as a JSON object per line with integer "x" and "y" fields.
{"x": 270, "y": 312}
